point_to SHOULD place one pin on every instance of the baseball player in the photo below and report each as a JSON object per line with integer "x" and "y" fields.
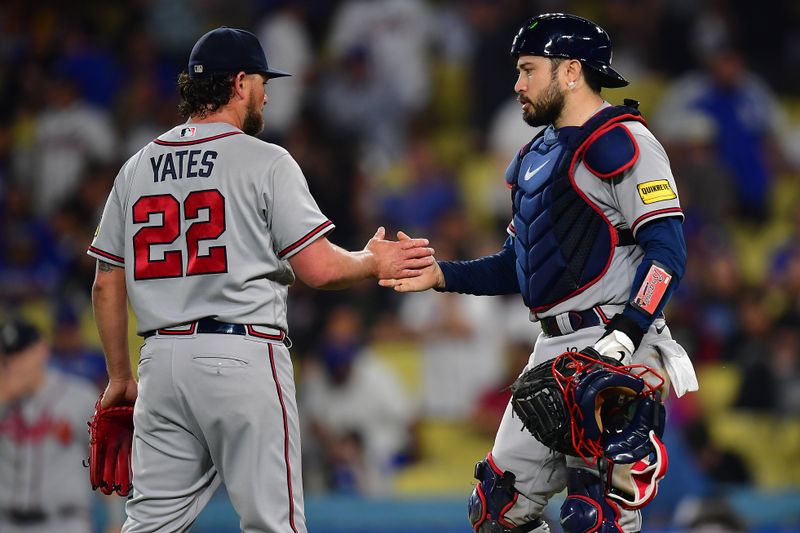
{"x": 43, "y": 439}
{"x": 203, "y": 232}
{"x": 595, "y": 248}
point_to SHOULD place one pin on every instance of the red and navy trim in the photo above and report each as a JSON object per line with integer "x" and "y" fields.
{"x": 106, "y": 255}
{"x": 658, "y": 212}
{"x": 189, "y": 331}
{"x": 253, "y": 333}
{"x": 614, "y": 234}
{"x": 285, "y": 438}
{"x": 197, "y": 141}
{"x": 307, "y": 237}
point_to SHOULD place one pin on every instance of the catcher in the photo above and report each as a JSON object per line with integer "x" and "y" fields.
{"x": 595, "y": 249}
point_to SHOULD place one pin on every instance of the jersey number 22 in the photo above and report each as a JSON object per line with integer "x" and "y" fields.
{"x": 171, "y": 266}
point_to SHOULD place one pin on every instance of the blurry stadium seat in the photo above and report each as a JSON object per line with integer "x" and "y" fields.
{"x": 719, "y": 384}
{"x": 450, "y": 451}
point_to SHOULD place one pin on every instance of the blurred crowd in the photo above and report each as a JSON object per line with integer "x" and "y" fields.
{"x": 402, "y": 113}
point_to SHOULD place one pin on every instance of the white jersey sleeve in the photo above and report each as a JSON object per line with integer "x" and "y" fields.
{"x": 294, "y": 219}
{"x": 109, "y": 239}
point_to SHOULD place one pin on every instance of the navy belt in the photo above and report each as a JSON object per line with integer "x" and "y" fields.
{"x": 28, "y": 517}
{"x": 209, "y": 325}
{"x": 555, "y": 326}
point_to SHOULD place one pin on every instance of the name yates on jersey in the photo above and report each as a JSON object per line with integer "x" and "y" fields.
{"x": 183, "y": 164}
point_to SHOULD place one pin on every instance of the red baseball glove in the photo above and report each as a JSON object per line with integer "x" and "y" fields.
{"x": 110, "y": 439}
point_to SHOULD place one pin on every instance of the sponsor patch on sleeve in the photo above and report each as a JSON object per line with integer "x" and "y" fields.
{"x": 652, "y": 290}
{"x": 656, "y": 191}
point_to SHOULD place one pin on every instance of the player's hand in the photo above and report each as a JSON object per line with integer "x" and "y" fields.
{"x": 427, "y": 278}
{"x": 616, "y": 345}
{"x": 404, "y": 258}
{"x": 120, "y": 392}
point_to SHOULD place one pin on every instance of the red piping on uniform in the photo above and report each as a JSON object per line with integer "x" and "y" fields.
{"x": 305, "y": 238}
{"x": 197, "y": 141}
{"x": 254, "y": 333}
{"x": 654, "y": 213}
{"x": 285, "y": 438}
{"x": 482, "y": 497}
{"x": 612, "y": 229}
{"x": 601, "y": 314}
{"x": 107, "y": 255}
{"x": 190, "y": 331}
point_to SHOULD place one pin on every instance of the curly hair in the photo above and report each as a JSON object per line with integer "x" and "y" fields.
{"x": 203, "y": 96}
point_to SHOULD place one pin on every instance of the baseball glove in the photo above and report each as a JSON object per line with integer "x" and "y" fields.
{"x": 110, "y": 439}
{"x": 576, "y": 401}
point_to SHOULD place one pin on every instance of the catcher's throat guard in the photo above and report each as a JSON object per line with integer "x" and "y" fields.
{"x": 585, "y": 405}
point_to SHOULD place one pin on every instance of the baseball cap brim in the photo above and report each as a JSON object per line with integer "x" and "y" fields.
{"x": 275, "y": 73}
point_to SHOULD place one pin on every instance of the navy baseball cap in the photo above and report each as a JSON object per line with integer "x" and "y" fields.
{"x": 17, "y": 335}
{"x": 228, "y": 50}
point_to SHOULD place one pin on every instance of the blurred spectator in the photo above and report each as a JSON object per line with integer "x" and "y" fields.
{"x": 70, "y": 352}
{"x": 462, "y": 337}
{"x": 397, "y": 35}
{"x": 771, "y": 383}
{"x": 711, "y": 514}
{"x": 43, "y": 439}
{"x": 493, "y": 401}
{"x": 285, "y": 34}
{"x": 93, "y": 68}
{"x": 747, "y": 119}
{"x": 429, "y": 192}
{"x": 358, "y": 102}
{"x": 721, "y": 466}
{"x": 70, "y": 135}
{"x": 493, "y": 22}
{"x": 359, "y": 414}
{"x": 29, "y": 263}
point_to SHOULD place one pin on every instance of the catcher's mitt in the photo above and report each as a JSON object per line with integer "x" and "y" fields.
{"x": 110, "y": 439}
{"x": 577, "y": 401}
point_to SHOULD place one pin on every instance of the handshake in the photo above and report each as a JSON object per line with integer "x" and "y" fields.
{"x": 405, "y": 265}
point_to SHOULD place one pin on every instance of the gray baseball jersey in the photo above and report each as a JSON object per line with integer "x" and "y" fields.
{"x": 645, "y": 192}
{"x": 204, "y": 219}
{"x": 43, "y": 440}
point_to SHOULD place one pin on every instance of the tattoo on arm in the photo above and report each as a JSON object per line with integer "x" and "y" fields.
{"x": 102, "y": 266}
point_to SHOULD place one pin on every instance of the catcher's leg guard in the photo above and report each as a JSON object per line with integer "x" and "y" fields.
{"x": 586, "y": 508}
{"x": 491, "y": 500}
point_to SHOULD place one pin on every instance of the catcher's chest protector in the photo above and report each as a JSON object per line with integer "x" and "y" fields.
{"x": 563, "y": 243}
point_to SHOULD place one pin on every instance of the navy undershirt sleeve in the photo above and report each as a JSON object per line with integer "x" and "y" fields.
{"x": 663, "y": 242}
{"x": 486, "y": 276}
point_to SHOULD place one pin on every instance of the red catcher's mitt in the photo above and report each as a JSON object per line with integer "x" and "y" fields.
{"x": 110, "y": 439}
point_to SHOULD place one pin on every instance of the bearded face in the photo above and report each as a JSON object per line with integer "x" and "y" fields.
{"x": 253, "y": 123}
{"x": 544, "y": 109}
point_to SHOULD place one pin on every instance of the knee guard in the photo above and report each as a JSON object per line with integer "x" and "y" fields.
{"x": 492, "y": 498}
{"x": 587, "y": 509}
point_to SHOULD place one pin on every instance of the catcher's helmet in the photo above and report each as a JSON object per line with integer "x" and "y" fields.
{"x": 571, "y": 37}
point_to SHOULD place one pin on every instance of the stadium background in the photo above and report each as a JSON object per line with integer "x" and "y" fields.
{"x": 401, "y": 113}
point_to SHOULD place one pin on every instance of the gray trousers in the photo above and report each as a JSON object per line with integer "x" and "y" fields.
{"x": 214, "y": 409}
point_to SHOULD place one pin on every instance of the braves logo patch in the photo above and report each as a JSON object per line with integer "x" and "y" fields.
{"x": 656, "y": 191}
{"x": 652, "y": 290}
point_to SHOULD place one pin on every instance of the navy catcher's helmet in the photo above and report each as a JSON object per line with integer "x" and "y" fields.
{"x": 570, "y": 37}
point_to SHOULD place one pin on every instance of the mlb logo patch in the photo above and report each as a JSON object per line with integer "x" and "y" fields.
{"x": 188, "y": 132}
{"x": 198, "y": 69}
